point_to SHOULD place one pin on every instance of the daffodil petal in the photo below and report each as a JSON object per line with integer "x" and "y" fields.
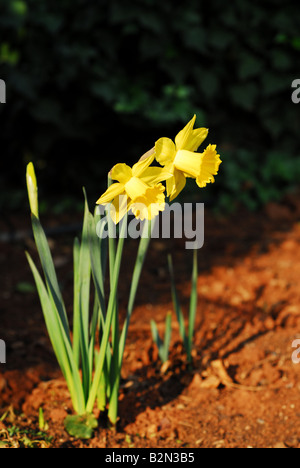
{"x": 143, "y": 164}
{"x": 113, "y": 191}
{"x": 175, "y": 184}
{"x": 121, "y": 172}
{"x": 210, "y": 163}
{"x": 119, "y": 208}
{"x": 195, "y": 139}
{"x": 189, "y": 139}
{"x": 154, "y": 175}
{"x": 149, "y": 206}
{"x": 135, "y": 188}
{"x": 165, "y": 151}
{"x": 184, "y": 135}
{"x": 170, "y": 184}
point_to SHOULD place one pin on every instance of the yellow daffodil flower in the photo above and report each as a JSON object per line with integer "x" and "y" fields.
{"x": 32, "y": 190}
{"x": 150, "y": 204}
{"x": 180, "y": 159}
{"x": 136, "y": 186}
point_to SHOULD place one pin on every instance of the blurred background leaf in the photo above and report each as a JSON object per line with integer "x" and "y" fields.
{"x": 90, "y": 84}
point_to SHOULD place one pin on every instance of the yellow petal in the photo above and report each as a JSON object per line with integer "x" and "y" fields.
{"x": 143, "y": 164}
{"x": 121, "y": 172}
{"x": 210, "y": 163}
{"x": 189, "y": 139}
{"x": 165, "y": 151}
{"x": 183, "y": 136}
{"x": 196, "y": 138}
{"x": 32, "y": 190}
{"x": 154, "y": 175}
{"x": 113, "y": 191}
{"x": 119, "y": 208}
{"x": 176, "y": 184}
{"x": 148, "y": 206}
{"x": 135, "y": 187}
{"x": 188, "y": 162}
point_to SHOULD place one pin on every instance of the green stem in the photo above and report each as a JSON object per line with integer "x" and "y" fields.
{"x": 113, "y": 371}
{"x": 142, "y": 251}
{"x": 106, "y": 332}
{"x": 193, "y": 304}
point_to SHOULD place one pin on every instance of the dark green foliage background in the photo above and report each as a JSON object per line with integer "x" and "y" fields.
{"x": 92, "y": 83}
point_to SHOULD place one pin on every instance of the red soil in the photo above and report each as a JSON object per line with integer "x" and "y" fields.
{"x": 243, "y": 390}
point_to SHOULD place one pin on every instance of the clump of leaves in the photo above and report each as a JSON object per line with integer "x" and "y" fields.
{"x": 187, "y": 335}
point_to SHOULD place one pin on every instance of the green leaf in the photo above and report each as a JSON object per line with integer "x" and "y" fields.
{"x": 168, "y": 334}
{"x": 19, "y": 7}
{"x": 76, "y": 301}
{"x": 296, "y": 43}
{"x": 49, "y": 271}
{"x": 25, "y": 287}
{"x": 249, "y": 66}
{"x": 100, "y": 360}
{"x": 59, "y": 340}
{"x": 84, "y": 303}
{"x": 281, "y": 60}
{"x": 220, "y": 39}
{"x": 208, "y": 81}
{"x": 193, "y": 300}
{"x": 157, "y": 339}
{"x": 163, "y": 346}
{"x": 140, "y": 259}
{"x": 274, "y": 83}
{"x": 98, "y": 260}
{"x": 81, "y": 426}
{"x": 244, "y": 95}
{"x": 176, "y": 302}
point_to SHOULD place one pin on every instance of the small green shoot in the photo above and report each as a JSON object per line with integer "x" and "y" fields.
{"x": 163, "y": 345}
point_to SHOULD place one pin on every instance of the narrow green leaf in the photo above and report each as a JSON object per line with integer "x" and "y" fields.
{"x": 59, "y": 340}
{"x": 96, "y": 253}
{"x": 98, "y": 250}
{"x": 111, "y": 239}
{"x": 176, "y": 303}
{"x": 49, "y": 270}
{"x": 157, "y": 340}
{"x": 76, "y": 302}
{"x": 168, "y": 334}
{"x": 193, "y": 300}
{"x": 108, "y": 322}
{"x": 50, "y": 318}
{"x": 163, "y": 346}
{"x": 115, "y": 333}
{"x": 101, "y": 393}
{"x": 84, "y": 302}
{"x": 140, "y": 259}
